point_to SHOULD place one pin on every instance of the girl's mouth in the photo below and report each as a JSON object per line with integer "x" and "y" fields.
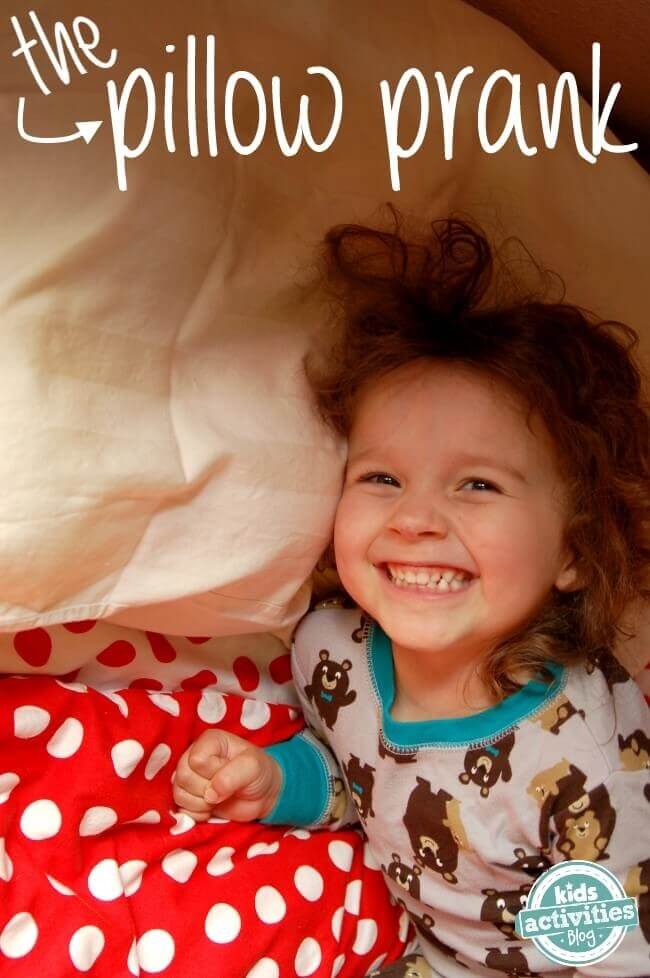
{"x": 437, "y": 579}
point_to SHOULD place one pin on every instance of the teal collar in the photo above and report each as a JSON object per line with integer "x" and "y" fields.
{"x": 456, "y": 731}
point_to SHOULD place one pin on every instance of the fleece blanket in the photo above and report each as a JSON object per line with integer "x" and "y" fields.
{"x": 99, "y": 874}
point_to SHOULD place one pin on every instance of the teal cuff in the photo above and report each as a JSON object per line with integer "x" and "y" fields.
{"x": 305, "y": 794}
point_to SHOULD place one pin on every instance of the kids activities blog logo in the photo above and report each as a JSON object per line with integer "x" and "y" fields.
{"x": 577, "y": 913}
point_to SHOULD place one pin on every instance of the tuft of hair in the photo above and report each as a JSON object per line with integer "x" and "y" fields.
{"x": 399, "y": 299}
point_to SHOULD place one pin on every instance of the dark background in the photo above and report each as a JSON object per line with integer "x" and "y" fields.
{"x": 562, "y": 31}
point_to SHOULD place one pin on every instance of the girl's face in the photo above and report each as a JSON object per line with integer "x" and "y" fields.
{"x": 450, "y": 529}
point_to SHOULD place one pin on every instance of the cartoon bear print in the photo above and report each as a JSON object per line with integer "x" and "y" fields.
{"x": 399, "y": 756}
{"x": 329, "y": 688}
{"x": 532, "y": 864}
{"x": 340, "y": 800}
{"x": 357, "y": 634}
{"x": 511, "y": 962}
{"x": 408, "y": 877}
{"x": 557, "y": 714}
{"x": 485, "y": 765}
{"x": 424, "y": 924}
{"x": 412, "y": 966}
{"x": 609, "y": 665}
{"x": 634, "y": 751}
{"x": 361, "y": 781}
{"x": 586, "y": 834}
{"x": 584, "y": 821}
{"x": 554, "y": 789}
{"x": 500, "y": 908}
{"x": 637, "y": 884}
{"x": 434, "y": 825}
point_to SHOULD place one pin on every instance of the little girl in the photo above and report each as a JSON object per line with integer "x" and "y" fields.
{"x": 493, "y": 526}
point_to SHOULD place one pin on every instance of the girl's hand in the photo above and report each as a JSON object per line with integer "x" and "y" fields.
{"x": 224, "y": 775}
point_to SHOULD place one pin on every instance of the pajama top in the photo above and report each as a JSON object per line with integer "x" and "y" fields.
{"x": 462, "y": 814}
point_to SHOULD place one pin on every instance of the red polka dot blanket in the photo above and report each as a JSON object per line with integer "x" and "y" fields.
{"x": 99, "y": 875}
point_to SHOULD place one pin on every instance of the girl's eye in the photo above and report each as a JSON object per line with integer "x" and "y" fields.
{"x": 480, "y": 485}
{"x": 380, "y": 479}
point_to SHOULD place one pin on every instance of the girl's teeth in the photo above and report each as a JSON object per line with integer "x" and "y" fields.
{"x": 443, "y": 581}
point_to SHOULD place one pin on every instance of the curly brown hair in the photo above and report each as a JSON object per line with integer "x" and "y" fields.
{"x": 433, "y": 298}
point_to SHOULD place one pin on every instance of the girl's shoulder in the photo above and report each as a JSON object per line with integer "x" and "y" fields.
{"x": 609, "y": 703}
{"x": 601, "y": 680}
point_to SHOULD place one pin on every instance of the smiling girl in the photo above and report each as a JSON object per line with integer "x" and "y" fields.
{"x": 492, "y": 528}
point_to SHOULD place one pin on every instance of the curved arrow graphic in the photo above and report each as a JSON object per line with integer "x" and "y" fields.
{"x": 85, "y": 130}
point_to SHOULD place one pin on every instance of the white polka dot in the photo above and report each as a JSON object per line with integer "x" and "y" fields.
{"x": 59, "y": 887}
{"x": 132, "y": 962}
{"x": 404, "y": 923}
{"x": 338, "y": 964}
{"x": 73, "y": 687}
{"x": 131, "y": 875}
{"x": 413, "y": 946}
{"x": 341, "y": 854}
{"x": 180, "y": 864}
{"x": 155, "y": 951}
{"x": 86, "y": 944}
{"x": 262, "y": 849}
{"x": 150, "y": 817}
{"x": 353, "y": 896}
{"x": 157, "y": 760}
{"x": 309, "y": 883}
{"x": 182, "y": 823}
{"x": 6, "y": 865}
{"x": 211, "y": 707}
{"x": 166, "y": 703}
{"x": 30, "y": 721}
{"x": 337, "y": 923}
{"x": 41, "y": 820}
{"x": 369, "y": 860}
{"x": 366, "y": 936}
{"x": 104, "y": 880}
{"x": 255, "y": 714}
{"x": 308, "y": 958}
{"x": 269, "y": 905}
{"x": 67, "y": 739}
{"x": 264, "y": 968}
{"x": 299, "y": 833}
{"x": 126, "y": 755}
{"x": 221, "y": 862}
{"x": 118, "y": 700}
{"x": 222, "y": 924}
{"x": 19, "y": 936}
{"x": 377, "y": 963}
{"x": 8, "y": 782}
{"x": 96, "y": 820}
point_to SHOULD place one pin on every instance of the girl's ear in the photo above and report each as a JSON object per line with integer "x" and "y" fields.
{"x": 568, "y": 578}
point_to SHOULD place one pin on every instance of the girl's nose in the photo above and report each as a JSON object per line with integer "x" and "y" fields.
{"x": 419, "y": 517}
